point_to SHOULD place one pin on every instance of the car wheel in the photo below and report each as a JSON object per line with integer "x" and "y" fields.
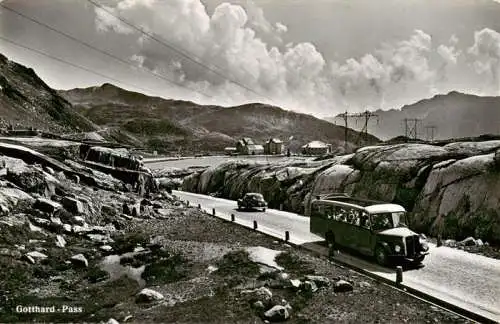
{"x": 381, "y": 255}
{"x": 263, "y": 209}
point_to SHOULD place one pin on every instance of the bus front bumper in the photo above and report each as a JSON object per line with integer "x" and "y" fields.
{"x": 405, "y": 259}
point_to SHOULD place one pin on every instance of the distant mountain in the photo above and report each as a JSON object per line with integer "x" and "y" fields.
{"x": 167, "y": 124}
{"x": 26, "y": 101}
{"x": 455, "y": 115}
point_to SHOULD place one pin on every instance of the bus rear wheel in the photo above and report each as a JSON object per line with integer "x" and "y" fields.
{"x": 330, "y": 241}
{"x": 329, "y": 238}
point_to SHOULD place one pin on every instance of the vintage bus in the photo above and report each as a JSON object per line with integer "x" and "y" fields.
{"x": 370, "y": 227}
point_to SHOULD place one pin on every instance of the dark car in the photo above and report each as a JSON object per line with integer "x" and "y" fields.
{"x": 252, "y": 201}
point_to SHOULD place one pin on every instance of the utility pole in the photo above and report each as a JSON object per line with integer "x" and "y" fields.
{"x": 367, "y": 115}
{"x": 345, "y": 116}
{"x": 431, "y": 129}
{"x": 411, "y": 131}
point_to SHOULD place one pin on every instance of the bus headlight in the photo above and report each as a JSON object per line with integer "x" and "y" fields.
{"x": 397, "y": 248}
{"x": 425, "y": 246}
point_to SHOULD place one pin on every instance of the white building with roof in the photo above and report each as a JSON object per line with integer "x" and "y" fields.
{"x": 316, "y": 148}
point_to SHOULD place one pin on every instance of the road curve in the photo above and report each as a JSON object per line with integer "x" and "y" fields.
{"x": 464, "y": 279}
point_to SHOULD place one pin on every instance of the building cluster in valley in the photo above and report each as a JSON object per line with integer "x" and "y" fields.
{"x": 275, "y": 146}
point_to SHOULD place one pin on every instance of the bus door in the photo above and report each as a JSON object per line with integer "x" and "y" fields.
{"x": 343, "y": 233}
{"x": 364, "y": 237}
{"x": 333, "y": 215}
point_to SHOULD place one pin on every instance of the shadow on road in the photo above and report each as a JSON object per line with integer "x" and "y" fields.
{"x": 357, "y": 259}
{"x": 251, "y": 210}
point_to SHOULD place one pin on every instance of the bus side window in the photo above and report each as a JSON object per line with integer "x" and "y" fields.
{"x": 357, "y": 218}
{"x": 365, "y": 220}
{"x": 342, "y": 214}
{"x": 336, "y": 213}
{"x": 350, "y": 216}
{"x": 329, "y": 211}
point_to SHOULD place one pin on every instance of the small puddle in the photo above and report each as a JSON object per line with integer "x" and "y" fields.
{"x": 111, "y": 264}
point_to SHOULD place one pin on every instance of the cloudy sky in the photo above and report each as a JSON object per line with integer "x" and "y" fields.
{"x": 313, "y": 56}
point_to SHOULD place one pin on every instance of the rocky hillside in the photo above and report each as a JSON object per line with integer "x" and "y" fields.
{"x": 26, "y": 101}
{"x": 171, "y": 124}
{"x": 78, "y": 245}
{"x": 456, "y": 115}
{"x": 451, "y": 189}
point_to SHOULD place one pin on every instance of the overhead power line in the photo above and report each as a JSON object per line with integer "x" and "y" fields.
{"x": 366, "y": 115}
{"x": 101, "y": 50}
{"x": 189, "y": 56}
{"x": 71, "y": 64}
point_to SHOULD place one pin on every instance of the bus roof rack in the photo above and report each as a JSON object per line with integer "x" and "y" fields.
{"x": 333, "y": 195}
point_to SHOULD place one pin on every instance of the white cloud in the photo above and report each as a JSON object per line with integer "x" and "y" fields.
{"x": 281, "y": 28}
{"x": 295, "y": 77}
{"x": 486, "y": 51}
{"x": 106, "y": 21}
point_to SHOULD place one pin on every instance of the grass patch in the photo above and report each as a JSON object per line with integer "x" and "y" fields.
{"x": 15, "y": 275}
{"x": 271, "y": 275}
{"x": 96, "y": 274}
{"x": 237, "y": 263}
{"x": 292, "y": 263}
{"x": 151, "y": 127}
{"x": 165, "y": 267}
{"x": 224, "y": 306}
{"x": 124, "y": 243}
{"x": 9, "y": 236}
{"x": 94, "y": 303}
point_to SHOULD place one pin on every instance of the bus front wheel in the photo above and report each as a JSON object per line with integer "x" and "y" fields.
{"x": 381, "y": 255}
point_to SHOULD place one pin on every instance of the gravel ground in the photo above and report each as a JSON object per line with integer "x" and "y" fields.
{"x": 200, "y": 266}
{"x": 205, "y": 239}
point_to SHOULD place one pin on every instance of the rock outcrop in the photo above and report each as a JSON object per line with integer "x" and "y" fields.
{"x": 451, "y": 189}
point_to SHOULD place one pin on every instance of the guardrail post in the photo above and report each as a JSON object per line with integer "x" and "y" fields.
{"x": 232, "y": 217}
{"x": 281, "y": 206}
{"x": 254, "y": 224}
{"x": 287, "y": 236}
{"x": 187, "y": 203}
{"x": 213, "y": 211}
{"x": 439, "y": 241}
{"x": 399, "y": 274}
{"x": 199, "y": 206}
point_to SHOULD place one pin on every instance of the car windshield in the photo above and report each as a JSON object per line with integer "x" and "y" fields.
{"x": 382, "y": 221}
{"x": 255, "y": 196}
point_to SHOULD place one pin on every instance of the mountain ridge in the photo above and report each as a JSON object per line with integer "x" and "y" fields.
{"x": 454, "y": 115}
{"x": 26, "y": 100}
{"x": 203, "y": 127}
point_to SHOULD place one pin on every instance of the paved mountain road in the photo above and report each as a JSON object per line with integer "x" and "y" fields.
{"x": 464, "y": 279}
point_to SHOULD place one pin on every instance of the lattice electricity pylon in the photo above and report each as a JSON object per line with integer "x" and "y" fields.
{"x": 430, "y": 129}
{"x": 411, "y": 127}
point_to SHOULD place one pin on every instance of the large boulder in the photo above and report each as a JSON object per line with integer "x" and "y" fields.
{"x": 460, "y": 199}
{"x": 449, "y": 189}
{"x": 11, "y": 197}
{"x": 277, "y": 313}
{"x": 72, "y": 205}
{"x": 468, "y": 149}
{"x": 262, "y": 294}
{"x": 32, "y": 179}
{"x": 148, "y": 295}
{"x": 47, "y": 205}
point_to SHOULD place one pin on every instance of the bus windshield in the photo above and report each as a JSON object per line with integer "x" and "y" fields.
{"x": 383, "y": 221}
